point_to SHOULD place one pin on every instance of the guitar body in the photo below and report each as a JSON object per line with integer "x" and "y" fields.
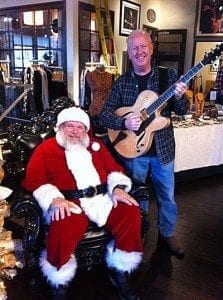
{"x": 132, "y": 144}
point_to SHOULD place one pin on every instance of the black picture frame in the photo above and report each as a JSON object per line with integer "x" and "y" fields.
{"x": 129, "y": 17}
{"x": 209, "y": 19}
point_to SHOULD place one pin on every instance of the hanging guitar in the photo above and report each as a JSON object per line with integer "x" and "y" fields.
{"x": 148, "y": 105}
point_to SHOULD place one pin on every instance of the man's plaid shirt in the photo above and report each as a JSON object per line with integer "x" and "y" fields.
{"x": 124, "y": 92}
{"x": 219, "y": 81}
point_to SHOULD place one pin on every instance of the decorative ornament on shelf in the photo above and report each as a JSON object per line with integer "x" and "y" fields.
{"x": 151, "y": 15}
{"x": 11, "y": 250}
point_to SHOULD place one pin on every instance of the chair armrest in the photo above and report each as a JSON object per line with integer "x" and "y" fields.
{"x": 25, "y": 206}
{"x": 141, "y": 191}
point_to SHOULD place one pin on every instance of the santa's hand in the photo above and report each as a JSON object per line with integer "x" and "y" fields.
{"x": 120, "y": 195}
{"x": 61, "y": 207}
{"x": 74, "y": 208}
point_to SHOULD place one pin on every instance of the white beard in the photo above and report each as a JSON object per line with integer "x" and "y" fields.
{"x": 69, "y": 143}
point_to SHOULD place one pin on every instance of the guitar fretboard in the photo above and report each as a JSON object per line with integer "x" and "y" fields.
{"x": 170, "y": 91}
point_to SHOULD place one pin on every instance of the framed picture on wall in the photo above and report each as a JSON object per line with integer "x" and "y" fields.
{"x": 209, "y": 19}
{"x": 129, "y": 17}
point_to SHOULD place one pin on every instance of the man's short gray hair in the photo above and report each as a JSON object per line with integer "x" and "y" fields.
{"x": 137, "y": 32}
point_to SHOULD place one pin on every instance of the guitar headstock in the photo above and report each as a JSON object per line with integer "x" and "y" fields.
{"x": 212, "y": 55}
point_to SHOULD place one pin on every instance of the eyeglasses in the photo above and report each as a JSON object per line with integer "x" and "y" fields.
{"x": 78, "y": 128}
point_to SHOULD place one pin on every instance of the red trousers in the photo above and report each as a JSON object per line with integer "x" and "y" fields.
{"x": 124, "y": 222}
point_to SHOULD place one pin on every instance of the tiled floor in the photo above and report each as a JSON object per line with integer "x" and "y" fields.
{"x": 198, "y": 276}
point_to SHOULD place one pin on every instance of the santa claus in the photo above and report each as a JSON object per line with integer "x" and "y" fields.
{"x": 75, "y": 180}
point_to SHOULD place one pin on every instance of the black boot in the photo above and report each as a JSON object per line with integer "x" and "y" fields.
{"x": 171, "y": 244}
{"x": 59, "y": 293}
{"x": 121, "y": 280}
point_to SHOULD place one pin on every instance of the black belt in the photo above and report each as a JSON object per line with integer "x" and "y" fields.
{"x": 89, "y": 192}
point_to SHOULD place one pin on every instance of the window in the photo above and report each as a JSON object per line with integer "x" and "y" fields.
{"x": 33, "y": 34}
{"x": 89, "y": 40}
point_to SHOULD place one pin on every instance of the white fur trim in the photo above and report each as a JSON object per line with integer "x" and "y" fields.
{"x": 97, "y": 208}
{"x": 73, "y": 114}
{"x": 116, "y": 178}
{"x": 79, "y": 161}
{"x": 56, "y": 277}
{"x": 45, "y": 195}
{"x": 95, "y": 146}
{"x": 122, "y": 260}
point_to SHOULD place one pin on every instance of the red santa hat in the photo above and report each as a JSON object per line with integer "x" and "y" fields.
{"x": 73, "y": 114}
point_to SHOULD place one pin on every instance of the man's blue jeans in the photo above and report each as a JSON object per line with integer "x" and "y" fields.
{"x": 163, "y": 181}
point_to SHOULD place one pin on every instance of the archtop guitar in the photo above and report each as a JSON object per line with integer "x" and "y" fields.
{"x": 148, "y": 106}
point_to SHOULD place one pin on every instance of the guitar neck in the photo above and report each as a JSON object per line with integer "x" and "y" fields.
{"x": 170, "y": 91}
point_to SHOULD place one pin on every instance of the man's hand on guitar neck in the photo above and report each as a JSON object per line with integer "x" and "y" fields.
{"x": 180, "y": 89}
{"x": 133, "y": 122}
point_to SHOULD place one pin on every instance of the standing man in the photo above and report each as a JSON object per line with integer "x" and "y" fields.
{"x": 158, "y": 161}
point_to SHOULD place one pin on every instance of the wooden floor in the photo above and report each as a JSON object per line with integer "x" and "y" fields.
{"x": 198, "y": 276}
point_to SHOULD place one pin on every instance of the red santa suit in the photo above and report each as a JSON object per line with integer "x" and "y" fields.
{"x": 51, "y": 170}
